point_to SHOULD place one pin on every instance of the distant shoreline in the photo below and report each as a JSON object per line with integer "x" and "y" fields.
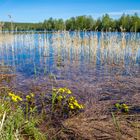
{"x": 126, "y": 23}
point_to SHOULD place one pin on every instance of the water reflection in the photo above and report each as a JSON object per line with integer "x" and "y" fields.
{"x": 64, "y": 53}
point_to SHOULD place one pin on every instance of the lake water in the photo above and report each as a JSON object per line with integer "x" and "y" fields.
{"x": 70, "y": 55}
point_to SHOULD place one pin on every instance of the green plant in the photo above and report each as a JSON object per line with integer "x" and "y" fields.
{"x": 13, "y": 123}
{"x": 116, "y": 124}
{"x": 63, "y": 101}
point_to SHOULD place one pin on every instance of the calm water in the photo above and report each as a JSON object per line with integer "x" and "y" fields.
{"x": 66, "y": 54}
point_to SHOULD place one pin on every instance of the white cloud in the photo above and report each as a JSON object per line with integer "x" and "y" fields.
{"x": 119, "y": 13}
{"x": 133, "y": 11}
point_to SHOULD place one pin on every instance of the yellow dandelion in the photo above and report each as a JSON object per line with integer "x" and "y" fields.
{"x": 76, "y": 104}
{"x": 28, "y": 97}
{"x": 71, "y": 107}
{"x": 81, "y": 106}
{"x": 61, "y": 90}
{"x": 71, "y": 98}
{"x": 14, "y": 99}
{"x": 68, "y": 91}
{"x": 10, "y": 94}
{"x": 19, "y": 98}
{"x": 32, "y": 95}
{"x": 60, "y": 97}
{"x": 54, "y": 89}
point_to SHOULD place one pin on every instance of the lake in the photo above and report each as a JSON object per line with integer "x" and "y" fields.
{"x": 100, "y": 68}
{"x": 70, "y": 55}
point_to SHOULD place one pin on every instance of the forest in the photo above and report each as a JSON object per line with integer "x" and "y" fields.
{"x": 128, "y": 23}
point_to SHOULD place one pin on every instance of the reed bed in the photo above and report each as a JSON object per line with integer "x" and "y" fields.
{"x": 93, "y": 46}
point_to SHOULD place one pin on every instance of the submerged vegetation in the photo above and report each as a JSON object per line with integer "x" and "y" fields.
{"x": 129, "y": 23}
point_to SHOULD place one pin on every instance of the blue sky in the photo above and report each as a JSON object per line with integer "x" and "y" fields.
{"x": 38, "y": 10}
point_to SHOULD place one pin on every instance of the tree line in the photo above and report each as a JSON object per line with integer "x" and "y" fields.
{"x": 128, "y": 23}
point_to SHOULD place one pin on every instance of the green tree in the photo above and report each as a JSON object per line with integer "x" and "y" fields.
{"x": 107, "y": 22}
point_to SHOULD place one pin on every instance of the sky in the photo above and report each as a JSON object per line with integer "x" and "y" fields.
{"x": 39, "y": 10}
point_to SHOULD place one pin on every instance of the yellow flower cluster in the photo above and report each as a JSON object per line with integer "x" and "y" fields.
{"x": 28, "y": 97}
{"x": 70, "y": 101}
{"x": 122, "y": 107}
{"x": 15, "y": 98}
{"x": 73, "y": 103}
{"x": 60, "y": 98}
{"x": 63, "y": 90}
{"x": 125, "y": 107}
{"x": 61, "y": 93}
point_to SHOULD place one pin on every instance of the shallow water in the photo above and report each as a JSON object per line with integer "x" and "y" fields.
{"x": 70, "y": 55}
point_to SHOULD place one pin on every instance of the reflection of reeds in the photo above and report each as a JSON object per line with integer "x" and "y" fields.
{"x": 106, "y": 47}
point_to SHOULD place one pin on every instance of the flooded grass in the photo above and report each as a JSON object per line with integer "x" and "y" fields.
{"x": 101, "y": 69}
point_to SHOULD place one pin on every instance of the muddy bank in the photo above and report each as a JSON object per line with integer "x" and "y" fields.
{"x": 96, "y": 122}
